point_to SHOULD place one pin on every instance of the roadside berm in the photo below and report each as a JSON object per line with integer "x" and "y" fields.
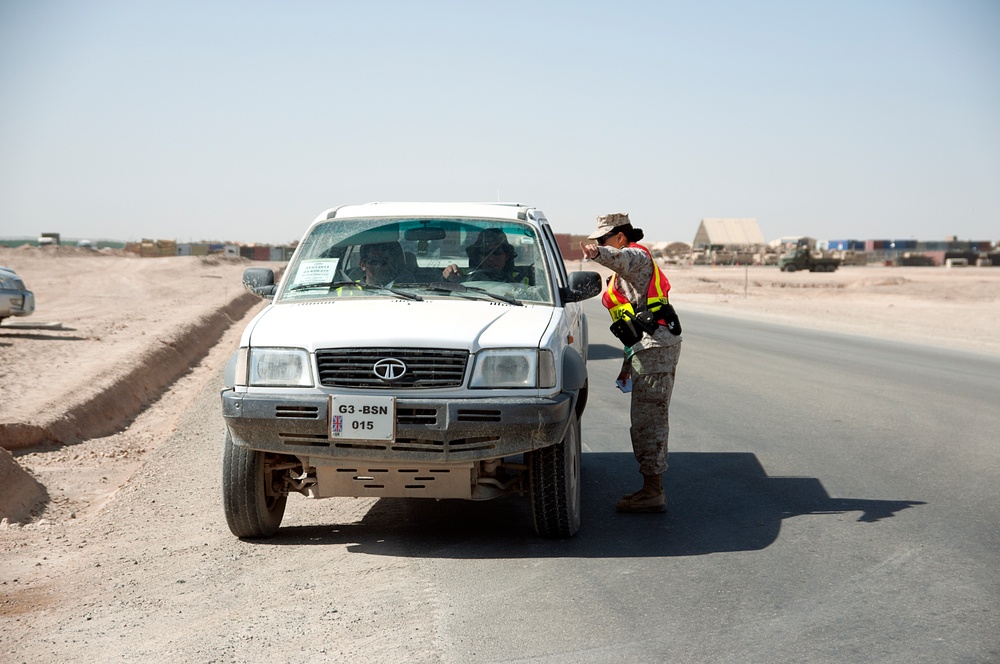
{"x": 20, "y": 492}
{"x": 110, "y": 334}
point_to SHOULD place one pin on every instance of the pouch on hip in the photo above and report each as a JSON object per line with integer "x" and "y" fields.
{"x": 630, "y": 327}
{"x": 670, "y": 319}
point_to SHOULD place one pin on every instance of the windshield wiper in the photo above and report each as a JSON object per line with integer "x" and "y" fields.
{"x": 365, "y": 287}
{"x": 454, "y": 287}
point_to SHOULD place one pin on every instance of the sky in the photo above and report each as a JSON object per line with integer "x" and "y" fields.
{"x": 241, "y": 122}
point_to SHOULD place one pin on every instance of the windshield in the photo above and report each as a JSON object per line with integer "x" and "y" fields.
{"x": 424, "y": 258}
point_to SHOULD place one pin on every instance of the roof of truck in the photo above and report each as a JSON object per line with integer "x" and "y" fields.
{"x": 512, "y": 211}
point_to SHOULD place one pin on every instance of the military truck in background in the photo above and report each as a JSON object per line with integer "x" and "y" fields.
{"x": 803, "y": 259}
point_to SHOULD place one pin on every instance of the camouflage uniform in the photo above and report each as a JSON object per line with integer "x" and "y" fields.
{"x": 652, "y": 363}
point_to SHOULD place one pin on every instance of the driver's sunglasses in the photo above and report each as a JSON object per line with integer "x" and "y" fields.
{"x": 496, "y": 252}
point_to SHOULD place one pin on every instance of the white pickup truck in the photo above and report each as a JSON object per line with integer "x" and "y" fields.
{"x": 433, "y": 350}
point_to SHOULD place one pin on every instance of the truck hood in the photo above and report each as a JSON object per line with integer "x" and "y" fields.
{"x": 431, "y": 323}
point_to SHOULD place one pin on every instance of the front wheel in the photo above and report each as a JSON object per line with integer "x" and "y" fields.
{"x": 554, "y": 474}
{"x": 253, "y": 506}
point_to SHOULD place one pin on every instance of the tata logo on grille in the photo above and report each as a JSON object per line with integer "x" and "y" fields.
{"x": 389, "y": 369}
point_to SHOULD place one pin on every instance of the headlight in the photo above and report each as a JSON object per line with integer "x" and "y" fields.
{"x": 278, "y": 367}
{"x": 505, "y": 368}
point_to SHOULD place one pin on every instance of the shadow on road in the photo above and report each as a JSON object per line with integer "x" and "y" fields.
{"x": 39, "y": 337}
{"x": 717, "y": 502}
{"x": 604, "y": 352}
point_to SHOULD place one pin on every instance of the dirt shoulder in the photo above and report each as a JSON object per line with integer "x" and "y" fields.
{"x": 109, "y": 334}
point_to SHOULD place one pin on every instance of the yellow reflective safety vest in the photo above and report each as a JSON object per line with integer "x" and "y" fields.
{"x": 656, "y": 294}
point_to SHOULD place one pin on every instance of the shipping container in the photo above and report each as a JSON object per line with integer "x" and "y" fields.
{"x": 846, "y": 245}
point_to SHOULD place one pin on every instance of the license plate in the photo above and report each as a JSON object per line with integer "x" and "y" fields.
{"x": 362, "y": 418}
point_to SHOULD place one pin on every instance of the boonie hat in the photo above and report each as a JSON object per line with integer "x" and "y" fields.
{"x": 608, "y": 222}
{"x": 489, "y": 240}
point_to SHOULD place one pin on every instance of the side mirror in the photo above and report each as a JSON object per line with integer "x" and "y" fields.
{"x": 582, "y": 286}
{"x": 259, "y": 281}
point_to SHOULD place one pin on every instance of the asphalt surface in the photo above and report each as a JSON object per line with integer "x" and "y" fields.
{"x": 831, "y": 499}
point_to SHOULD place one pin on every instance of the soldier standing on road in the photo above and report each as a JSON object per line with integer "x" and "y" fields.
{"x": 650, "y": 362}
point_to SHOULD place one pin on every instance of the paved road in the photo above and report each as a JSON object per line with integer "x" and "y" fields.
{"x": 832, "y": 499}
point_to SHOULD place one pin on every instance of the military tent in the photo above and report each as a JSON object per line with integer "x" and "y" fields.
{"x": 730, "y": 232}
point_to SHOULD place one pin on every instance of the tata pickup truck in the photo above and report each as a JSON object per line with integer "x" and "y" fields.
{"x": 412, "y": 350}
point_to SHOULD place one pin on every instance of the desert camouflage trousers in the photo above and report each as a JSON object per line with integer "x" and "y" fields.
{"x": 652, "y": 371}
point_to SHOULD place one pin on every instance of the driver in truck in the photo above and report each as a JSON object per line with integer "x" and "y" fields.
{"x": 384, "y": 263}
{"x": 491, "y": 258}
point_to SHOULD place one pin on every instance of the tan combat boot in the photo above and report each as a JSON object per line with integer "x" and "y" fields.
{"x": 649, "y": 498}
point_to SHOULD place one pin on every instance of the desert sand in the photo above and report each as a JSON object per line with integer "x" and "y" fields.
{"x": 128, "y": 328}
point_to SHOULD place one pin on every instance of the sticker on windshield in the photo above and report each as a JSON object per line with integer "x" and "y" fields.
{"x": 316, "y": 271}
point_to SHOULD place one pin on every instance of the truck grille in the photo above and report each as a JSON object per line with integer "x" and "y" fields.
{"x": 425, "y": 367}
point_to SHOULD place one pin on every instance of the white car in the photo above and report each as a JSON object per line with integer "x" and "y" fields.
{"x": 433, "y": 350}
{"x": 15, "y": 298}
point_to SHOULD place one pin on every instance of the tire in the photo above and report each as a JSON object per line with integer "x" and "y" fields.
{"x": 250, "y": 511}
{"x": 554, "y": 477}
{"x": 790, "y": 268}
